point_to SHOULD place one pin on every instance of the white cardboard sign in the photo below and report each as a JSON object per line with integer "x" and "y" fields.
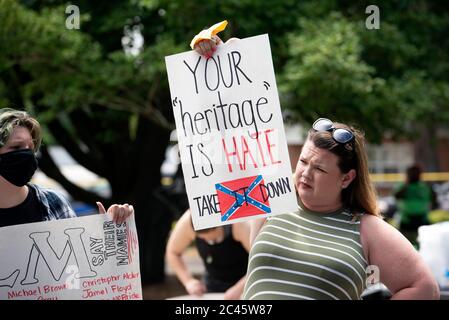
{"x": 70, "y": 259}
{"x": 230, "y": 132}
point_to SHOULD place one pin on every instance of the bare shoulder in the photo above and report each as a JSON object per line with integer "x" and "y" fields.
{"x": 377, "y": 234}
{"x": 371, "y": 225}
{"x": 373, "y": 229}
{"x": 185, "y": 220}
{"x": 184, "y": 228}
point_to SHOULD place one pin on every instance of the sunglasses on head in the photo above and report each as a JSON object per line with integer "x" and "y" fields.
{"x": 339, "y": 134}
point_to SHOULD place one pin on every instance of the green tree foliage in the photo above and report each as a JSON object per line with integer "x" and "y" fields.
{"x": 328, "y": 63}
{"x": 112, "y": 111}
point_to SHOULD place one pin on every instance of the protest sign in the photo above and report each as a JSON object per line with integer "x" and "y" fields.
{"x": 230, "y": 132}
{"x": 70, "y": 259}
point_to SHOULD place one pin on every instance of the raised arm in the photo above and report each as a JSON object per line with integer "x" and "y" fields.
{"x": 241, "y": 233}
{"x": 401, "y": 267}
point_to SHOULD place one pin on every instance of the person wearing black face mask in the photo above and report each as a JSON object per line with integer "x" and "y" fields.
{"x": 18, "y": 167}
{"x": 23, "y": 202}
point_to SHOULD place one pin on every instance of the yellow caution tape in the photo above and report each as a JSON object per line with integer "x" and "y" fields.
{"x": 398, "y": 177}
{"x": 209, "y": 33}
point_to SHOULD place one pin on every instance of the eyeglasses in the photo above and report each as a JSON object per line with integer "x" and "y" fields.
{"x": 339, "y": 134}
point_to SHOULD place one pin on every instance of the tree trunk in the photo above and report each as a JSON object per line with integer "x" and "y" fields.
{"x": 153, "y": 220}
{"x": 153, "y": 226}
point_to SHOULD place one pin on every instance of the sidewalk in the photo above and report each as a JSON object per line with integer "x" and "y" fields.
{"x": 172, "y": 287}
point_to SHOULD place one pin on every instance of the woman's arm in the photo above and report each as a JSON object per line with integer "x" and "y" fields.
{"x": 255, "y": 226}
{"x": 241, "y": 233}
{"x": 180, "y": 238}
{"x": 401, "y": 267}
{"x": 235, "y": 292}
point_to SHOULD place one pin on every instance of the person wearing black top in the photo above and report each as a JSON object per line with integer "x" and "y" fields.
{"x": 23, "y": 202}
{"x": 224, "y": 251}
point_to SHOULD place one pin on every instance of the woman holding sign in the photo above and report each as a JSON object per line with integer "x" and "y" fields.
{"x": 336, "y": 243}
{"x": 20, "y": 201}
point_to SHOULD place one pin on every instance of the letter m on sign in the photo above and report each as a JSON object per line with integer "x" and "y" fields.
{"x": 242, "y": 198}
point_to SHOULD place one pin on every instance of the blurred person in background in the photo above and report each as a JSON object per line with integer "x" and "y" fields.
{"x": 415, "y": 200}
{"x": 223, "y": 250}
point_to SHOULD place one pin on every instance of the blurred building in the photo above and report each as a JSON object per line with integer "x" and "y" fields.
{"x": 389, "y": 160}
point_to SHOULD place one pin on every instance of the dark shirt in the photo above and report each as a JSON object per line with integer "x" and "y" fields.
{"x": 54, "y": 204}
{"x": 27, "y": 212}
{"x": 41, "y": 204}
{"x": 226, "y": 262}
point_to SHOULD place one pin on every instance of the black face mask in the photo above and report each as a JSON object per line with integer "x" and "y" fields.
{"x": 17, "y": 167}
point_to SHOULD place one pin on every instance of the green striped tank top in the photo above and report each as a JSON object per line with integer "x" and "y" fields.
{"x": 306, "y": 255}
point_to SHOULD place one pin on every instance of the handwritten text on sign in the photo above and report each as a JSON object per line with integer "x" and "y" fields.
{"x": 230, "y": 132}
{"x": 79, "y": 258}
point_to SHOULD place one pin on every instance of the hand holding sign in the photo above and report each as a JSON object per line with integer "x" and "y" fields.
{"x": 81, "y": 258}
{"x": 118, "y": 212}
{"x": 206, "y": 41}
{"x": 208, "y": 47}
{"x": 195, "y": 287}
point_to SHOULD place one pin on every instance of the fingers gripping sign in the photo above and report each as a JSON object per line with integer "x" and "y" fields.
{"x": 119, "y": 212}
{"x": 195, "y": 287}
{"x": 205, "y": 42}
